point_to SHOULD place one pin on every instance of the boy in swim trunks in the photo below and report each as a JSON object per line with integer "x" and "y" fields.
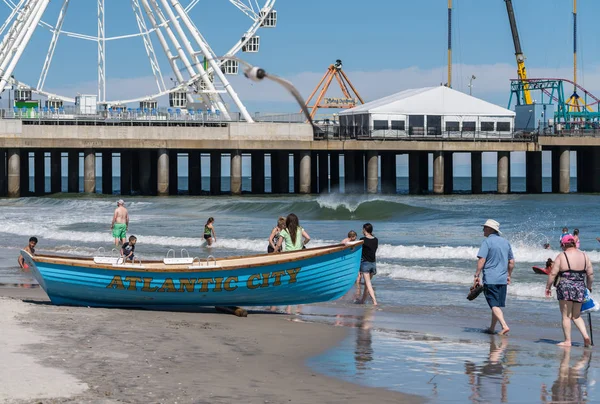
{"x": 120, "y": 223}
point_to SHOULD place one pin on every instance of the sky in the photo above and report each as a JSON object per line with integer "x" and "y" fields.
{"x": 386, "y": 46}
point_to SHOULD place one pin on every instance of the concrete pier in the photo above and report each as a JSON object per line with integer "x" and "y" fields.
{"x": 349, "y": 172}
{"x": 314, "y": 172}
{"x": 503, "y": 172}
{"x": 73, "y": 168}
{"x": 334, "y": 172}
{"x": 280, "y": 172}
{"x": 305, "y": 173}
{"x": 3, "y": 173}
{"x": 144, "y": 163}
{"x": 173, "y": 172}
{"x": 438, "y": 172}
{"x": 476, "y": 173}
{"x": 89, "y": 171}
{"x": 418, "y": 173}
{"x": 14, "y": 173}
{"x": 388, "y": 173}
{"x": 215, "y": 173}
{"x": 258, "y": 172}
{"x": 360, "y": 169}
{"x": 24, "y": 178}
{"x": 107, "y": 172}
{"x": 564, "y": 185}
{"x": 55, "y": 171}
{"x": 39, "y": 173}
{"x": 162, "y": 183}
{"x": 236, "y": 172}
{"x": 533, "y": 172}
{"x": 448, "y": 172}
{"x": 323, "y": 172}
{"x": 372, "y": 172}
{"x": 194, "y": 172}
{"x": 125, "y": 174}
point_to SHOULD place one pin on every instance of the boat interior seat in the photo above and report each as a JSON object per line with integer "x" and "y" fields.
{"x": 106, "y": 260}
{"x": 178, "y": 261}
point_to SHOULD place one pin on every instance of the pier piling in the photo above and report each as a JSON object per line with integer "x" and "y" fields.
{"x": 163, "y": 166}
{"x": 14, "y": 173}
{"x": 89, "y": 171}
{"x": 235, "y": 175}
{"x": 503, "y": 172}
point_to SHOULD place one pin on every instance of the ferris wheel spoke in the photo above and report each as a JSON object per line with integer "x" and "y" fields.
{"x": 25, "y": 29}
{"x": 11, "y": 16}
{"x": 52, "y": 46}
{"x": 246, "y": 8}
{"x": 141, "y": 22}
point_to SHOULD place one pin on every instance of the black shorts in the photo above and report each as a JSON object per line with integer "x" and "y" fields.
{"x": 207, "y": 236}
{"x": 495, "y": 295}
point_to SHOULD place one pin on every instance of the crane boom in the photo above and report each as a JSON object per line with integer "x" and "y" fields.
{"x": 521, "y": 71}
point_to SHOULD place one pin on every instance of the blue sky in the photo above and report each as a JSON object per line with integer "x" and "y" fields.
{"x": 386, "y": 46}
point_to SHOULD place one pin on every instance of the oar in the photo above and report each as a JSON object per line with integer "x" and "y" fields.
{"x": 591, "y": 331}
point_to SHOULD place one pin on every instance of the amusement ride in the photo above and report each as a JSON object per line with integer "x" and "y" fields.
{"x": 173, "y": 43}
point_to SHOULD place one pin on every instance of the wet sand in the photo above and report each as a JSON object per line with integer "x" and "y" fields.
{"x": 85, "y": 355}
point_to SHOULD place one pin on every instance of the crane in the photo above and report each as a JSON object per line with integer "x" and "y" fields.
{"x": 521, "y": 71}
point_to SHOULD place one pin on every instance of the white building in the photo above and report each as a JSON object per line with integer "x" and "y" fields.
{"x": 429, "y": 111}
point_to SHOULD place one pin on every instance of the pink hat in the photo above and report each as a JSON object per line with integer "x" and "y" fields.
{"x": 566, "y": 239}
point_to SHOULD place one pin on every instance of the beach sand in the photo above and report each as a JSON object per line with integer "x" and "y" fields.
{"x": 57, "y": 354}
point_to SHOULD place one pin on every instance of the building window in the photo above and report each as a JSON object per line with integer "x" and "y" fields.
{"x": 487, "y": 126}
{"x": 452, "y": 126}
{"x": 503, "y": 126}
{"x": 380, "y": 125}
{"x": 468, "y": 126}
{"x": 398, "y": 125}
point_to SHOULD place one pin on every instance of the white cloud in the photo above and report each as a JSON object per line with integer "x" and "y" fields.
{"x": 492, "y": 83}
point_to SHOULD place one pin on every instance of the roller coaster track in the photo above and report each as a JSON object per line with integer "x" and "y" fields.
{"x": 577, "y": 86}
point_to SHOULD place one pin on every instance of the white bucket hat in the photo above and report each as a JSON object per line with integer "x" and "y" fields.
{"x": 492, "y": 224}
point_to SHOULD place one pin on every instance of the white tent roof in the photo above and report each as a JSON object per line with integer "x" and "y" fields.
{"x": 439, "y": 100}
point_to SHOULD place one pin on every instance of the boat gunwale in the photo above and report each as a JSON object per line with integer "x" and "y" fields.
{"x": 88, "y": 262}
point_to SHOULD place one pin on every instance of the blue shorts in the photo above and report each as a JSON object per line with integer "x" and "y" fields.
{"x": 495, "y": 295}
{"x": 368, "y": 267}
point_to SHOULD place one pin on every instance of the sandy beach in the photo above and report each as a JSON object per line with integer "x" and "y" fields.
{"x": 57, "y": 354}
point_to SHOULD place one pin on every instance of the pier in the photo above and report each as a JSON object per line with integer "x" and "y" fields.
{"x": 300, "y": 161}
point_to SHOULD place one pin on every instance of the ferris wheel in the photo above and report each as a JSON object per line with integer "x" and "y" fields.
{"x": 173, "y": 44}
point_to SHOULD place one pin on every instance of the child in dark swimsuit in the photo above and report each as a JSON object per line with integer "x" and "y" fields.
{"x": 209, "y": 231}
{"x": 128, "y": 248}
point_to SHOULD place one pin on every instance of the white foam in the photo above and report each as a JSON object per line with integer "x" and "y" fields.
{"x": 456, "y": 276}
{"x": 523, "y": 253}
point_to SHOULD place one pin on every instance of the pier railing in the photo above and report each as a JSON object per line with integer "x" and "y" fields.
{"x": 139, "y": 117}
{"x": 331, "y": 132}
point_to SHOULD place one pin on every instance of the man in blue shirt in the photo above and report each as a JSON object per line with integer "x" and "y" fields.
{"x": 496, "y": 260}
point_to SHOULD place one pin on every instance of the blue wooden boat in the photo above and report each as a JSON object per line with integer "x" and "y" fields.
{"x": 295, "y": 277}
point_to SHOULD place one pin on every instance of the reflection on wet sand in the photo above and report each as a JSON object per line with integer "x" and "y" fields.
{"x": 483, "y": 378}
{"x": 364, "y": 349}
{"x": 572, "y": 381}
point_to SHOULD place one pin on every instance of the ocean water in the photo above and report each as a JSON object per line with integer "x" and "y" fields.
{"x": 426, "y": 261}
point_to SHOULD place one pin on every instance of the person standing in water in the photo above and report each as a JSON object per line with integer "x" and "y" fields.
{"x": 120, "y": 223}
{"x": 209, "y": 232}
{"x": 496, "y": 261}
{"x": 575, "y": 273}
{"x": 576, "y": 237}
{"x": 368, "y": 267}
{"x": 295, "y": 237}
{"x": 30, "y": 249}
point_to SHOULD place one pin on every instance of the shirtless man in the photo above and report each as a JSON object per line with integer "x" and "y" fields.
{"x": 30, "y": 249}
{"x": 120, "y": 223}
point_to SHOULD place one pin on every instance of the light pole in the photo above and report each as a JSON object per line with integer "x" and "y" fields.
{"x": 471, "y": 84}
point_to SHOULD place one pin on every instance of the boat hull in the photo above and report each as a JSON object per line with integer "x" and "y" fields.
{"x": 308, "y": 280}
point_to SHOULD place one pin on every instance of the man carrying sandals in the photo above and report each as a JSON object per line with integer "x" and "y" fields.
{"x": 496, "y": 261}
